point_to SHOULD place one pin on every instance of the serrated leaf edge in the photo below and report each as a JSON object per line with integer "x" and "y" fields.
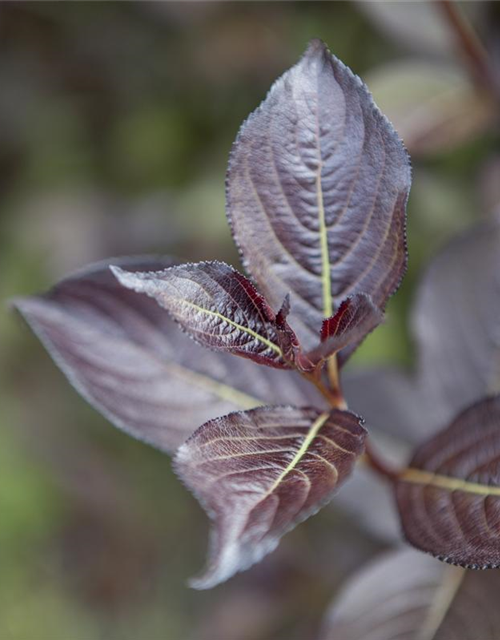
{"x": 314, "y": 45}
{"x": 122, "y": 276}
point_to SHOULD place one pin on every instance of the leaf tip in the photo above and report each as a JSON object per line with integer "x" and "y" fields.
{"x": 202, "y": 582}
{"x": 15, "y": 304}
{"x": 128, "y": 279}
{"x": 316, "y": 47}
{"x": 26, "y": 306}
{"x": 118, "y": 272}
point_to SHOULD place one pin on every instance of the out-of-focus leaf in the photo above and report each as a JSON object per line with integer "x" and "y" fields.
{"x": 456, "y": 324}
{"x": 316, "y": 193}
{"x": 367, "y": 498}
{"x": 354, "y": 319}
{"x": 260, "y": 472}
{"x": 449, "y": 496}
{"x": 417, "y": 26}
{"x": 406, "y": 595}
{"x": 217, "y": 306}
{"x": 457, "y": 331}
{"x": 434, "y": 107}
{"x": 124, "y": 355}
{"x": 489, "y": 185}
{"x": 390, "y": 401}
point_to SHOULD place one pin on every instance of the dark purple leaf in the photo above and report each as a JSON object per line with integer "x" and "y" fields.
{"x": 316, "y": 193}
{"x": 449, "y": 496}
{"x": 390, "y": 400}
{"x": 367, "y": 499}
{"x": 123, "y": 353}
{"x": 456, "y": 321}
{"x": 354, "y": 319}
{"x": 406, "y": 595}
{"x": 287, "y": 340}
{"x": 457, "y": 327}
{"x": 260, "y": 472}
{"x": 396, "y": 417}
{"x": 217, "y": 306}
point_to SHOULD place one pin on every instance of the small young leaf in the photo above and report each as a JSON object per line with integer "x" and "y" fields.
{"x": 260, "y": 472}
{"x": 449, "y": 496}
{"x": 405, "y": 595}
{"x": 217, "y": 306}
{"x": 316, "y": 193}
{"x": 354, "y": 319}
{"x": 124, "y": 355}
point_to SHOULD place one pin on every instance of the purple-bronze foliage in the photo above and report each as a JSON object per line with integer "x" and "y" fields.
{"x": 316, "y": 194}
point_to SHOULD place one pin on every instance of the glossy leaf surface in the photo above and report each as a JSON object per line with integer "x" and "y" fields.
{"x": 449, "y": 497}
{"x": 316, "y": 193}
{"x": 406, "y": 595}
{"x": 355, "y": 318}
{"x": 260, "y": 472}
{"x": 215, "y": 305}
{"x": 124, "y": 355}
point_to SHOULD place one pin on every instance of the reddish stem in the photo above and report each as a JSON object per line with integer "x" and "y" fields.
{"x": 469, "y": 43}
{"x": 379, "y": 465}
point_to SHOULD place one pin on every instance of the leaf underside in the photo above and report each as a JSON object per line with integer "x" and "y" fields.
{"x": 126, "y": 357}
{"x": 316, "y": 193}
{"x": 449, "y": 497}
{"x": 260, "y": 472}
{"x": 406, "y": 595}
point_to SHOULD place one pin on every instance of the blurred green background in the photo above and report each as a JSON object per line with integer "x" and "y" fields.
{"x": 116, "y": 121}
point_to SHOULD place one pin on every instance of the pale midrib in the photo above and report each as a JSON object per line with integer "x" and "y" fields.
{"x": 418, "y": 476}
{"x": 325, "y": 255}
{"x": 312, "y": 433}
{"x": 247, "y": 330}
{"x": 224, "y": 391}
{"x": 450, "y": 583}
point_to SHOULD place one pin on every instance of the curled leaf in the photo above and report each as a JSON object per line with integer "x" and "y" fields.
{"x": 126, "y": 357}
{"x": 449, "y": 496}
{"x": 217, "y": 306}
{"x": 260, "y": 472}
{"x": 316, "y": 193}
{"x": 354, "y": 319}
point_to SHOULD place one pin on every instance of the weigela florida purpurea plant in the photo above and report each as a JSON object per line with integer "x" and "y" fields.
{"x": 317, "y": 187}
